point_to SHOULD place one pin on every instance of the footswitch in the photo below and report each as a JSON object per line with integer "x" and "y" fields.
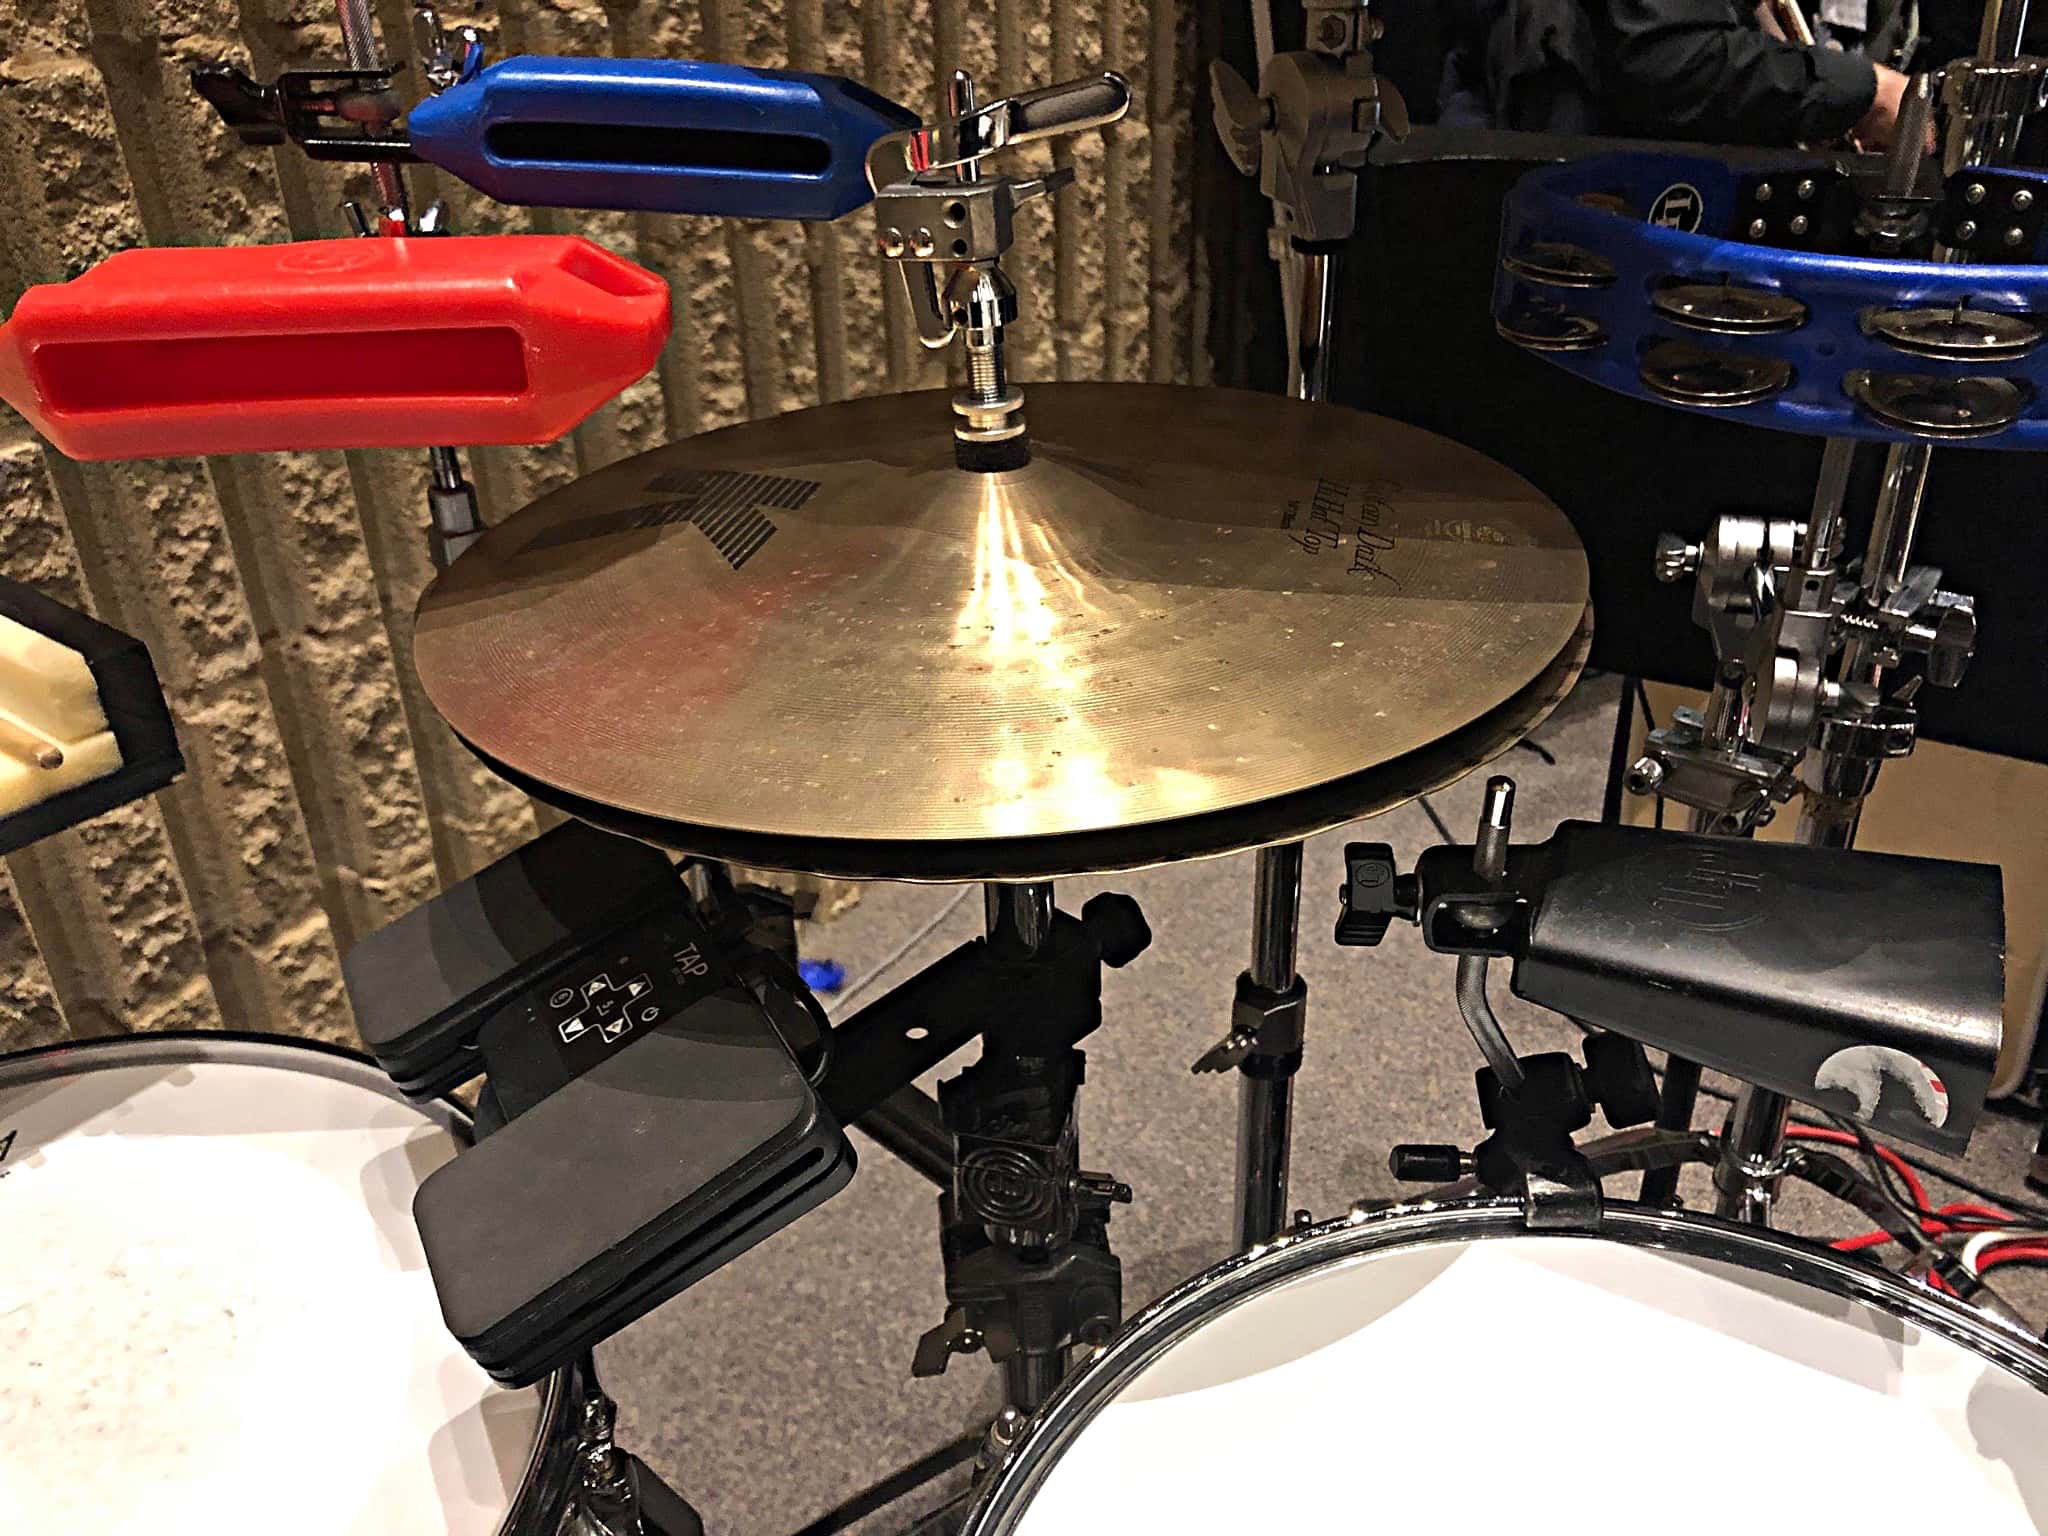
{"x": 649, "y": 1121}
{"x": 658, "y": 1126}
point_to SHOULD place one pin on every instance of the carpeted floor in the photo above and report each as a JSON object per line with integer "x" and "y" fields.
{"x": 781, "y": 1385}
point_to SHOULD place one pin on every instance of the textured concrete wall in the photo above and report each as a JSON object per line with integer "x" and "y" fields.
{"x": 276, "y": 592}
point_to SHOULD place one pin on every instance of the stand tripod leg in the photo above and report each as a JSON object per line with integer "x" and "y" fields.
{"x": 1675, "y": 1104}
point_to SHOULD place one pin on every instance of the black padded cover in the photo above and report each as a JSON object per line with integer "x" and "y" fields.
{"x": 676, "y": 1149}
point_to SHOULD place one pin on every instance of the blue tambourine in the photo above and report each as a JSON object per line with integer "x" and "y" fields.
{"x": 1692, "y": 282}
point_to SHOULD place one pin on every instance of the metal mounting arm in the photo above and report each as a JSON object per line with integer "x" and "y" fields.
{"x": 943, "y": 228}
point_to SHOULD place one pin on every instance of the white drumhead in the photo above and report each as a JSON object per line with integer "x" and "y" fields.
{"x": 1554, "y": 1384}
{"x": 215, "y": 1315}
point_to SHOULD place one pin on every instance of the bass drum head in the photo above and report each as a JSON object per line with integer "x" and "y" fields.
{"x": 1449, "y": 1371}
{"x": 214, "y": 1310}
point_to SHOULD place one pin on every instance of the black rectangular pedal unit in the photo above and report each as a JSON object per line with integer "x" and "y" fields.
{"x": 83, "y": 723}
{"x": 656, "y": 1123}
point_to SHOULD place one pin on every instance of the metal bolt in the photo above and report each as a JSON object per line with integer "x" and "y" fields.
{"x": 892, "y": 243}
{"x": 1805, "y": 191}
{"x": 2015, "y": 235}
{"x": 2022, "y": 200}
{"x": 1756, "y": 229}
{"x": 1645, "y": 776}
{"x": 1676, "y": 558}
{"x": 1800, "y": 224}
{"x": 1763, "y": 193}
{"x": 1336, "y": 31}
{"x": 1973, "y": 194}
{"x": 1967, "y": 230}
{"x": 922, "y": 243}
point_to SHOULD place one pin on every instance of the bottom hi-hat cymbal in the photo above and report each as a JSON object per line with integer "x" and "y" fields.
{"x": 1198, "y": 620}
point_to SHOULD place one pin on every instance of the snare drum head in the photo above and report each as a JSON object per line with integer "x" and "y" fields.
{"x": 1529, "y": 1383}
{"x": 214, "y": 1311}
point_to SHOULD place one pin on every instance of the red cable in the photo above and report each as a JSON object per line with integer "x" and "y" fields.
{"x": 1967, "y": 1210}
{"x": 2010, "y": 1252}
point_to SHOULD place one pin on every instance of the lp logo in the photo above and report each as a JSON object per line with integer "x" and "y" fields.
{"x": 1679, "y": 206}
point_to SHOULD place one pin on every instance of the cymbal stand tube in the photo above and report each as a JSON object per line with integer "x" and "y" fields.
{"x": 1019, "y": 917}
{"x": 1023, "y": 1229}
{"x": 1018, "y": 914}
{"x": 1304, "y": 133}
{"x": 1308, "y": 373}
{"x": 1265, "y": 1083}
{"x": 1840, "y": 777}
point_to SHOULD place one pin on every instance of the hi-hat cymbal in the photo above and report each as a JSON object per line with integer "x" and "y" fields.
{"x": 1198, "y": 620}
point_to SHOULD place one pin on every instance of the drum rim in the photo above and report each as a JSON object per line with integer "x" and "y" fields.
{"x": 1144, "y": 1338}
{"x": 545, "y": 1483}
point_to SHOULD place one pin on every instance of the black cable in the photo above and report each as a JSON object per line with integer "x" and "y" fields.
{"x": 1887, "y": 1177}
{"x": 1435, "y": 820}
{"x": 2021, "y": 1208}
{"x": 1527, "y": 744}
{"x": 1643, "y": 703}
{"x": 2025, "y": 1210}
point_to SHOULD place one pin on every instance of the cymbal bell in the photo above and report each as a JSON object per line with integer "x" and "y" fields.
{"x": 1198, "y": 620}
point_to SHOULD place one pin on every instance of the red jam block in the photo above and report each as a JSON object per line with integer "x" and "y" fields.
{"x": 366, "y": 343}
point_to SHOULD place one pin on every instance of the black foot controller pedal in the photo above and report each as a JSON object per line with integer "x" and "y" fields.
{"x": 656, "y": 1123}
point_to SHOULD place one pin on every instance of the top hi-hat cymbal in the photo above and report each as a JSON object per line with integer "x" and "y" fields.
{"x": 1197, "y": 620}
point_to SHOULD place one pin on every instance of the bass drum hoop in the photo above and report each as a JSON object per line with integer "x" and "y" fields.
{"x": 1007, "y": 1494}
{"x": 546, "y": 1484}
